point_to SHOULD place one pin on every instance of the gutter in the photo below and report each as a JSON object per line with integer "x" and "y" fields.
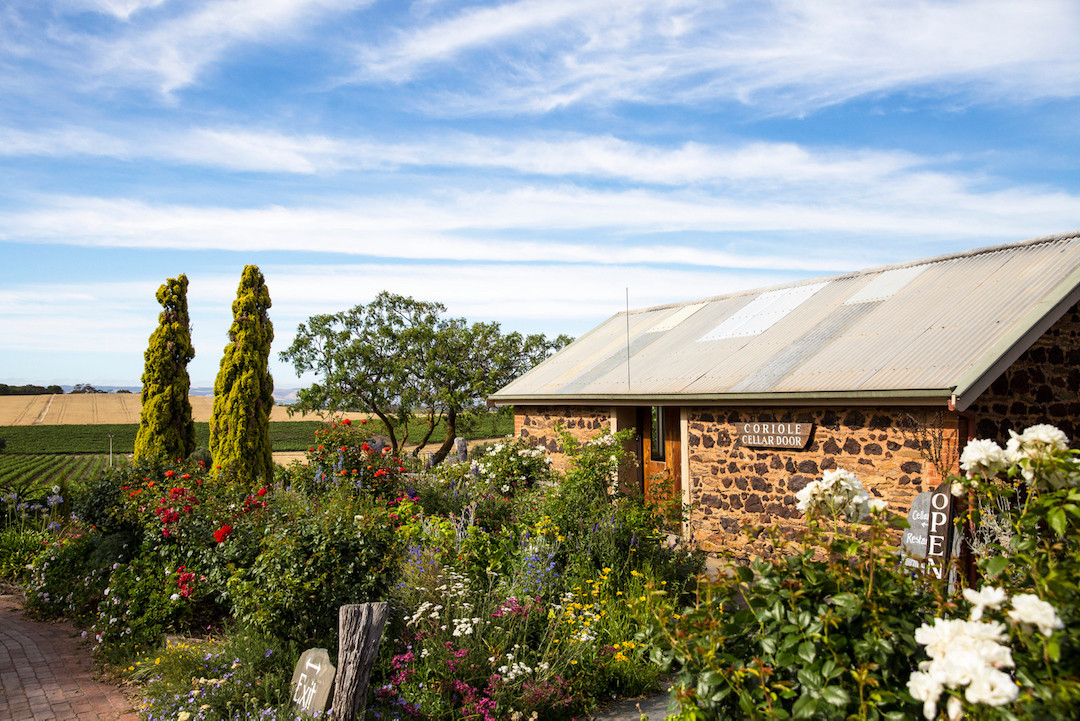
{"x": 919, "y": 397}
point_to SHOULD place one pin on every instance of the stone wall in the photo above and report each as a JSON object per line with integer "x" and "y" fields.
{"x": 1042, "y": 386}
{"x": 735, "y": 487}
{"x": 538, "y": 425}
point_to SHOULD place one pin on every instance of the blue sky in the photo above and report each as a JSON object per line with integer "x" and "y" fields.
{"x": 523, "y": 161}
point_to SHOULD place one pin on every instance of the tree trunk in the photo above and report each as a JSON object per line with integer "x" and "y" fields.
{"x": 360, "y": 628}
{"x": 448, "y": 444}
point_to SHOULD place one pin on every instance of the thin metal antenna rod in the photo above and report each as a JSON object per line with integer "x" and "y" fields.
{"x": 628, "y": 339}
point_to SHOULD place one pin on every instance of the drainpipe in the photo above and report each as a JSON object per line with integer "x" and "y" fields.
{"x": 967, "y": 560}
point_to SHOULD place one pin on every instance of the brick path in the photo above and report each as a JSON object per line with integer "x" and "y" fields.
{"x": 45, "y": 673}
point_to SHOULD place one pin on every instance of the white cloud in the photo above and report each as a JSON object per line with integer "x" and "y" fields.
{"x": 172, "y": 52}
{"x": 121, "y": 9}
{"x": 527, "y": 223}
{"x": 788, "y": 56}
{"x": 478, "y": 26}
{"x": 568, "y": 155}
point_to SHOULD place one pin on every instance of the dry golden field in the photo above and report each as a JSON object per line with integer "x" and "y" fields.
{"x": 95, "y": 408}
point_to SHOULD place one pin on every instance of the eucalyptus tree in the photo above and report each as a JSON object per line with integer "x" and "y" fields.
{"x": 401, "y": 360}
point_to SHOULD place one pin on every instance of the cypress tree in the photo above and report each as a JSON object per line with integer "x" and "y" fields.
{"x": 166, "y": 429}
{"x": 244, "y": 390}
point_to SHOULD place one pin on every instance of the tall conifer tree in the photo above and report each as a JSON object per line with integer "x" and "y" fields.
{"x": 244, "y": 390}
{"x": 166, "y": 429}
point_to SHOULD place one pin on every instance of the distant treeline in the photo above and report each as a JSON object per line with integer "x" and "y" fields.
{"x": 29, "y": 390}
{"x": 32, "y": 390}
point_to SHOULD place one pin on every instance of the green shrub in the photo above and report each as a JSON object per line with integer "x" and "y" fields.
{"x": 239, "y": 676}
{"x": 822, "y": 630}
{"x": 69, "y": 577}
{"x": 17, "y": 549}
{"x": 514, "y": 463}
{"x": 26, "y": 527}
{"x": 311, "y": 561}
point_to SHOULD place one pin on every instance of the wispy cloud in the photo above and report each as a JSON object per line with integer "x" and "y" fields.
{"x": 121, "y": 9}
{"x": 786, "y": 56}
{"x": 529, "y": 224}
{"x": 560, "y": 156}
{"x": 171, "y": 52}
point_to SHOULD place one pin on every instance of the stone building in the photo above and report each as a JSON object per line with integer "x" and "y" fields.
{"x": 738, "y": 401}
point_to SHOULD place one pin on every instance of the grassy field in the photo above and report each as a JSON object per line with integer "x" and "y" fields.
{"x": 284, "y": 436}
{"x": 33, "y": 475}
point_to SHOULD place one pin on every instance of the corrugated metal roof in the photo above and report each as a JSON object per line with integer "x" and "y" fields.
{"x": 927, "y": 328}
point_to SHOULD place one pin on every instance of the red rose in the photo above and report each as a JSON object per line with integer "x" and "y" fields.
{"x": 262, "y": 491}
{"x": 170, "y": 474}
{"x": 222, "y": 533}
{"x": 346, "y": 422}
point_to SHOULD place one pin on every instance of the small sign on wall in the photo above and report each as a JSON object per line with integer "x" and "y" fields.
{"x": 766, "y": 434}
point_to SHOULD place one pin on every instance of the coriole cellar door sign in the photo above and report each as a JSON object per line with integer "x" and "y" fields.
{"x": 766, "y": 434}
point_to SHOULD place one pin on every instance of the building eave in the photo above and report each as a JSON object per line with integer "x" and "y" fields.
{"x": 908, "y": 397}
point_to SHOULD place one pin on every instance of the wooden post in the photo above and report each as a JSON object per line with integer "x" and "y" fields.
{"x": 360, "y": 628}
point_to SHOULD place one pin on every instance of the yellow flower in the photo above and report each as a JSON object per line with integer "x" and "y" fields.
{"x": 573, "y": 663}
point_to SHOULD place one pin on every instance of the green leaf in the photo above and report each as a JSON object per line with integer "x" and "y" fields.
{"x": 1053, "y": 649}
{"x": 744, "y": 574}
{"x": 805, "y": 707}
{"x": 1056, "y": 517}
{"x": 835, "y": 695}
{"x": 807, "y": 652}
{"x": 995, "y": 565}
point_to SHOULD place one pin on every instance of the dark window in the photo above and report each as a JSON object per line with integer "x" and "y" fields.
{"x": 657, "y": 434}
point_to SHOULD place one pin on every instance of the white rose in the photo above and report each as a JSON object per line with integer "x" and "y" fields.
{"x": 986, "y": 597}
{"x": 924, "y": 687}
{"x": 982, "y": 457}
{"x": 1030, "y": 609}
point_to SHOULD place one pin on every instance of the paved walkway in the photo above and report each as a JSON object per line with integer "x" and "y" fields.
{"x": 45, "y": 673}
{"x": 647, "y": 708}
